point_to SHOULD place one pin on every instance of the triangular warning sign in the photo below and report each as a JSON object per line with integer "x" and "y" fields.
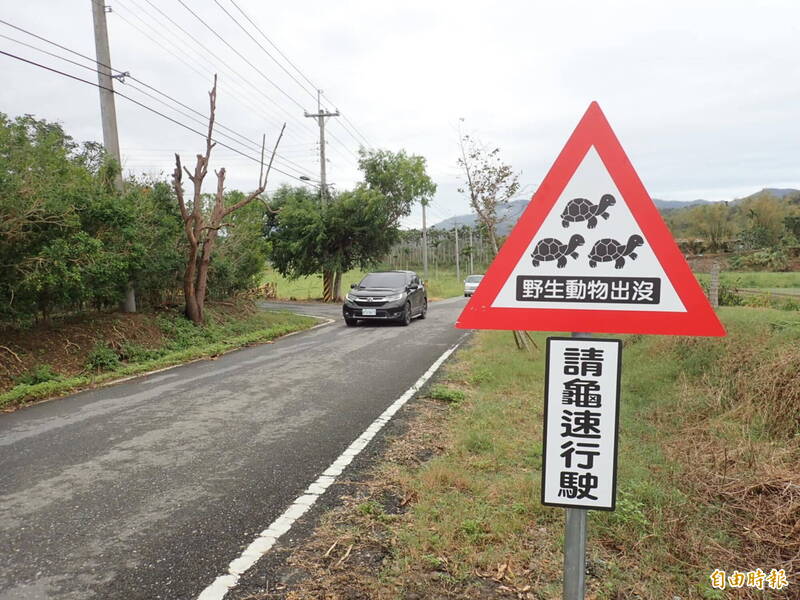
{"x": 591, "y": 254}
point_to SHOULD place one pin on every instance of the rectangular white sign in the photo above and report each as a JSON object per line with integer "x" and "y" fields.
{"x": 581, "y": 419}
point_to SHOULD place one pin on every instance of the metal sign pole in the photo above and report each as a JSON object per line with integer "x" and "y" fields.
{"x": 575, "y": 554}
{"x": 575, "y": 543}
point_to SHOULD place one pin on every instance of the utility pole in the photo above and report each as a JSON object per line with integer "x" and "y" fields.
{"x": 320, "y": 116}
{"x": 328, "y": 284}
{"x": 471, "y": 252}
{"x": 424, "y": 245}
{"x": 458, "y": 268}
{"x": 108, "y": 112}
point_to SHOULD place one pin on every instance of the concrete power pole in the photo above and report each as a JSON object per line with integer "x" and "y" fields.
{"x": 320, "y": 115}
{"x": 458, "y": 268}
{"x": 424, "y": 245}
{"x": 328, "y": 283}
{"x": 108, "y": 112}
{"x": 471, "y": 252}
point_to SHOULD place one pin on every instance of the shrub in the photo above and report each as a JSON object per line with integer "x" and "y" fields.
{"x": 39, "y": 374}
{"x": 762, "y": 260}
{"x": 102, "y": 358}
{"x": 728, "y": 295}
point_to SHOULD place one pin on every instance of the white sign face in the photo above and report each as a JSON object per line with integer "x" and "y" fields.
{"x": 590, "y": 254}
{"x": 581, "y": 417}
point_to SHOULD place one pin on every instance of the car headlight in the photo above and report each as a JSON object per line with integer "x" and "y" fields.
{"x": 394, "y": 297}
{"x": 351, "y": 297}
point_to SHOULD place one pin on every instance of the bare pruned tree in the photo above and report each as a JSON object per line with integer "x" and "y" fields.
{"x": 202, "y": 226}
{"x": 490, "y": 183}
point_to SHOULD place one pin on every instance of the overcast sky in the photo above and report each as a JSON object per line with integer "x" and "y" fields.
{"x": 704, "y": 96}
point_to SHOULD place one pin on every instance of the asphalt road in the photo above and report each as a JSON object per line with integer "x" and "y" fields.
{"x": 149, "y": 488}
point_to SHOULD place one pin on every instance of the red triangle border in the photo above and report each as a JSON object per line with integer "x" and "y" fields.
{"x": 593, "y": 130}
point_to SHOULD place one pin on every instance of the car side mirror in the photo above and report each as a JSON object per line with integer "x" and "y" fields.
{"x": 412, "y": 287}
{"x": 353, "y": 286}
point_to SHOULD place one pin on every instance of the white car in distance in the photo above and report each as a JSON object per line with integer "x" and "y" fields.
{"x": 470, "y": 283}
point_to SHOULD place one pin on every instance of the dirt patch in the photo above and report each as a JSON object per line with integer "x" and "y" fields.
{"x": 65, "y": 345}
{"x": 702, "y": 264}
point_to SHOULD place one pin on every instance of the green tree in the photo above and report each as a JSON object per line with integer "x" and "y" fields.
{"x": 763, "y": 217}
{"x": 65, "y": 235}
{"x": 712, "y": 222}
{"x": 401, "y": 178}
{"x": 354, "y": 230}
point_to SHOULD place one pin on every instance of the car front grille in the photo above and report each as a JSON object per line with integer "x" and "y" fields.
{"x": 369, "y": 303}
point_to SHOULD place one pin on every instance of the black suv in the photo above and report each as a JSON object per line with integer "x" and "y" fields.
{"x": 386, "y": 296}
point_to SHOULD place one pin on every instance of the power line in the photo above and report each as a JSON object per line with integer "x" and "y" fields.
{"x": 240, "y": 55}
{"x": 70, "y": 76}
{"x": 264, "y": 49}
{"x": 204, "y": 76}
{"x": 271, "y": 43}
{"x": 286, "y": 58}
{"x": 209, "y": 55}
{"x": 124, "y": 75}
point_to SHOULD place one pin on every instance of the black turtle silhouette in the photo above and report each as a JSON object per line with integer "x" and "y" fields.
{"x": 552, "y": 249}
{"x": 607, "y": 250}
{"x": 580, "y": 209}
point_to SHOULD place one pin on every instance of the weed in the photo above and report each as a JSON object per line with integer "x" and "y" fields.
{"x": 630, "y": 511}
{"x": 371, "y": 508}
{"x": 434, "y": 563}
{"x": 134, "y": 353}
{"x": 481, "y": 374}
{"x": 478, "y": 442}
{"x": 472, "y": 529}
{"x": 446, "y": 394}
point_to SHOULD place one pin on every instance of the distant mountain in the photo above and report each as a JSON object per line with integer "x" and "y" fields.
{"x": 511, "y": 213}
{"x": 777, "y": 192}
{"x": 677, "y": 204}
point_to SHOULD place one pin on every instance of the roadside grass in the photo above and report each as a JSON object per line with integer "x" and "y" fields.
{"x": 708, "y": 478}
{"x": 181, "y": 341}
{"x": 441, "y": 283}
{"x": 755, "y": 279}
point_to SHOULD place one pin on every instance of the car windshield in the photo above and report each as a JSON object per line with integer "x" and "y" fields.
{"x": 474, "y": 278}
{"x": 383, "y": 280}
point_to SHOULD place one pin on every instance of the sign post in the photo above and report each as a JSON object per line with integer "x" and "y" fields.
{"x": 575, "y": 554}
{"x": 590, "y": 253}
{"x": 575, "y": 534}
{"x": 579, "y": 453}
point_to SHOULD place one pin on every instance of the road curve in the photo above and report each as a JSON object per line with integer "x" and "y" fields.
{"x": 148, "y": 489}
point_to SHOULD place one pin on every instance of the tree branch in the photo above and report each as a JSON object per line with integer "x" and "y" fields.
{"x": 262, "y": 183}
{"x": 177, "y": 184}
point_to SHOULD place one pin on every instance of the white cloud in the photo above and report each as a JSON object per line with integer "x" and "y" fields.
{"x": 701, "y": 95}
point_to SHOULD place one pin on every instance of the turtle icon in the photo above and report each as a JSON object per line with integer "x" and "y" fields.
{"x": 552, "y": 249}
{"x": 580, "y": 209}
{"x": 607, "y": 250}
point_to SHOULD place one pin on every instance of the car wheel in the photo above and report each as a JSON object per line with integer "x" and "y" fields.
{"x": 466, "y": 295}
{"x": 424, "y": 308}
{"x": 351, "y": 322}
{"x": 406, "y": 319}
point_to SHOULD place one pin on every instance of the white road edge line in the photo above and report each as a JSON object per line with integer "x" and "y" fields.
{"x": 267, "y": 538}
